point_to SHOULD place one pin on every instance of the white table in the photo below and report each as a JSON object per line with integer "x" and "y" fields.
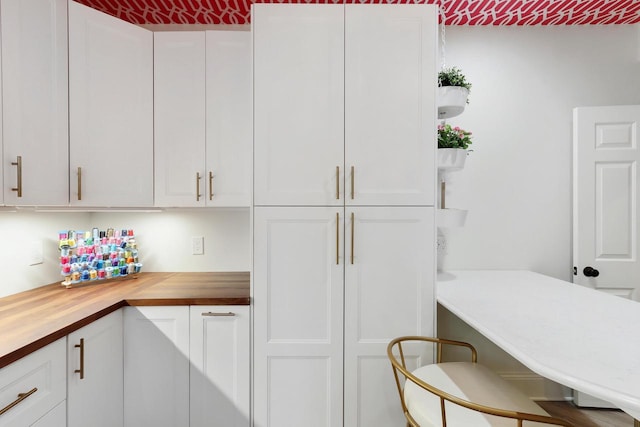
{"x": 576, "y": 336}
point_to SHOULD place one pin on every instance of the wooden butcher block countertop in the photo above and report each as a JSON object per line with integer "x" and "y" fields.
{"x": 32, "y": 319}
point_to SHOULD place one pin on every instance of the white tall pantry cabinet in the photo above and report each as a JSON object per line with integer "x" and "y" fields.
{"x": 344, "y": 194}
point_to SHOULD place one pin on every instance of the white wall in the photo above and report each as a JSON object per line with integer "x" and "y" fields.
{"x": 517, "y": 181}
{"x": 164, "y": 241}
{"x": 19, "y": 232}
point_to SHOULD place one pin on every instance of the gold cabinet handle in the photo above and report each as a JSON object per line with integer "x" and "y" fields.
{"x": 81, "y": 370}
{"x": 210, "y": 185}
{"x": 337, "y": 182}
{"x": 337, "y": 238}
{"x": 352, "y": 234}
{"x": 21, "y": 397}
{"x": 212, "y": 314}
{"x": 443, "y": 189}
{"x": 18, "y": 163}
{"x": 198, "y": 195}
{"x": 79, "y": 183}
{"x": 353, "y": 178}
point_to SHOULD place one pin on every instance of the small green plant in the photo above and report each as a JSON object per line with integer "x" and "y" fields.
{"x": 453, "y": 137}
{"x": 453, "y": 77}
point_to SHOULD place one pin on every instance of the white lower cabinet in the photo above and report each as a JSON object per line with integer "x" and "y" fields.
{"x": 187, "y": 366}
{"x": 332, "y": 287}
{"x": 220, "y": 366}
{"x": 94, "y": 373}
{"x": 57, "y": 417}
{"x": 156, "y": 366}
{"x": 34, "y": 385}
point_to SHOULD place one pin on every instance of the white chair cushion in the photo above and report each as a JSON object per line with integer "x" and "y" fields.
{"x": 469, "y": 381}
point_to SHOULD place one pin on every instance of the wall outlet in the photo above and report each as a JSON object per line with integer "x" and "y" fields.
{"x": 35, "y": 252}
{"x": 197, "y": 245}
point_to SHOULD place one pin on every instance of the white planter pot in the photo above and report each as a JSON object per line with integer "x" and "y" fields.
{"x": 451, "y": 158}
{"x": 448, "y": 218}
{"x": 451, "y": 101}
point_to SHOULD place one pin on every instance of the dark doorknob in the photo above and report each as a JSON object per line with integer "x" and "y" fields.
{"x": 591, "y": 272}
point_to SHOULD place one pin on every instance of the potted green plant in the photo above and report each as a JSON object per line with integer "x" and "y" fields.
{"x": 453, "y": 143}
{"x": 453, "y": 92}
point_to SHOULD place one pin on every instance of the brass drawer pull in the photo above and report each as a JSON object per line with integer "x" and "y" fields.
{"x": 21, "y": 397}
{"x": 81, "y": 370}
{"x": 211, "y": 314}
{"x": 210, "y": 185}
{"x": 353, "y": 179}
{"x": 18, "y": 163}
{"x": 198, "y": 195}
{"x": 353, "y": 220}
{"x": 337, "y": 238}
{"x": 79, "y": 183}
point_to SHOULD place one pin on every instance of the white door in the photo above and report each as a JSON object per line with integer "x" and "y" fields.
{"x": 229, "y": 118}
{"x": 607, "y": 199}
{"x": 156, "y": 366}
{"x": 389, "y": 292}
{"x": 220, "y": 366}
{"x": 110, "y": 110}
{"x": 298, "y": 104}
{"x": 179, "y": 118}
{"x": 298, "y": 329}
{"x": 35, "y": 102}
{"x": 390, "y": 116}
{"x": 95, "y": 394}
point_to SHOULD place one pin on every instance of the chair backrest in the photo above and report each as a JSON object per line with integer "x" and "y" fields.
{"x": 397, "y": 356}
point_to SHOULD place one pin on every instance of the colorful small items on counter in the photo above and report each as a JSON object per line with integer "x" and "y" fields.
{"x": 97, "y": 255}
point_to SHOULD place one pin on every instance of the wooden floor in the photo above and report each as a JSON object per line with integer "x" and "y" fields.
{"x": 587, "y": 417}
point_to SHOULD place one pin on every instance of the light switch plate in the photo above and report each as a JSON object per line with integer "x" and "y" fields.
{"x": 197, "y": 245}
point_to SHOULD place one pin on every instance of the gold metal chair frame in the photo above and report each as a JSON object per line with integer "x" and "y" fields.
{"x": 400, "y": 370}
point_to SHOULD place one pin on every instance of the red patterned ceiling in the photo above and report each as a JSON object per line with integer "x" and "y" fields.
{"x": 457, "y": 12}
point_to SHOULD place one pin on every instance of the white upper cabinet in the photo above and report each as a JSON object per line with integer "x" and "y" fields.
{"x": 202, "y": 89}
{"x": 179, "y": 118}
{"x": 110, "y": 110}
{"x": 353, "y": 123}
{"x": 298, "y": 104}
{"x": 35, "y": 100}
{"x": 229, "y": 118}
{"x": 390, "y": 116}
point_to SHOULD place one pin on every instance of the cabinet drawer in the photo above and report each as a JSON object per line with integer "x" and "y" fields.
{"x": 42, "y": 371}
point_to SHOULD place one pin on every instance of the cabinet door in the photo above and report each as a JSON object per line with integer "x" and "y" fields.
{"x": 156, "y": 366}
{"x": 389, "y": 292}
{"x": 94, "y": 375}
{"x": 57, "y": 417}
{"x": 298, "y": 104}
{"x": 390, "y": 115}
{"x": 229, "y": 118}
{"x": 298, "y": 287}
{"x": 110, "y": 110}
{"x": 179, "y": 118}
{"x": 35, "y": 99}
{"x": 220, "y": 366}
